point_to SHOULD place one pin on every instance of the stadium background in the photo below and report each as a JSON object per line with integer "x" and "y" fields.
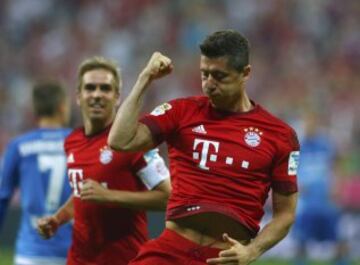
{"x": 305, "y": 55}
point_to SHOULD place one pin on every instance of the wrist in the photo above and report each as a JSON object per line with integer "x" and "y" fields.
{"x": 61, "y": 217}
{"x": 145, "y": 77}
{"x": 255, "y": 252}
{"x": 116, "y": 196}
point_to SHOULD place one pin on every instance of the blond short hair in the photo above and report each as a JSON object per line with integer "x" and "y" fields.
{"x": 99, "y": 62}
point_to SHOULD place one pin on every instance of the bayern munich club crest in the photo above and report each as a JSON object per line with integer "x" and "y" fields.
{"x": 106, "y": 155}
{"x": 252, "y": 136}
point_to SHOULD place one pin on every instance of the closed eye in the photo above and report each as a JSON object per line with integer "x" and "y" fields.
{"x": 216, "y": 75}
{"x": 92, "y": 87}
{"x": 105, "y": 87}
{"x": 89, "y": 87}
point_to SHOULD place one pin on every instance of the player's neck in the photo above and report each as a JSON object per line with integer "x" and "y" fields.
{"x": 243, "y": 104}
{"x": 238, "y": 105}
{"x": 94, "y": 127}
{"x": 50, "y": 122}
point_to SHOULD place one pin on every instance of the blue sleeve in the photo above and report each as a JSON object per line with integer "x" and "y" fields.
{"x": 9, "y": 177}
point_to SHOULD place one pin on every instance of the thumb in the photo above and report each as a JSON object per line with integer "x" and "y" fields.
{"x": 230, "y": 240}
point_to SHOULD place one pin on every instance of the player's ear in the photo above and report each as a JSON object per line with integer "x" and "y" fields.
{"x": 246, "y": 71}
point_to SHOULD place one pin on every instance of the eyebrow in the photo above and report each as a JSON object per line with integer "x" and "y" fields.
{"x": 94, "y": 85}
{"x": 97, "y": 84}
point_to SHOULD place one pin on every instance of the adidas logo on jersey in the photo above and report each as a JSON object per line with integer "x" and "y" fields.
{"x": 199, "y": 129}
{"x": 70, "y": 158}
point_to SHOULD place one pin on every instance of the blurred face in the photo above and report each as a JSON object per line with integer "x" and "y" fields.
{"x": 223, "y": 84}
{"x": 98, "y": 97}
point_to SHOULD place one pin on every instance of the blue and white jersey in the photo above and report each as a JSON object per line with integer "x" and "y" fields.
{"x": 36, "y": 164}
{"x": 315, "y": 173}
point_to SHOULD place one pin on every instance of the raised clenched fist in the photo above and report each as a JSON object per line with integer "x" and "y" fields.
{"x": 158, "y": 66}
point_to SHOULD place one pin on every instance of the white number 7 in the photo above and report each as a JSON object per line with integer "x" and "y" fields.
{"x": 57, "y": 166}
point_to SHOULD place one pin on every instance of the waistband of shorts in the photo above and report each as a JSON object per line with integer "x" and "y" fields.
{"x": 186, "y": 245}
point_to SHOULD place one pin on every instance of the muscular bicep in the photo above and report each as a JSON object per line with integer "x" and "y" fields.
{"x": 142, "y": 140}
{"x": 284, "y": 204}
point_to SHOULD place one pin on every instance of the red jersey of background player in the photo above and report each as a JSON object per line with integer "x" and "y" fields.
{"x": 105, "y": 233}
{"x": 224, "y": 162}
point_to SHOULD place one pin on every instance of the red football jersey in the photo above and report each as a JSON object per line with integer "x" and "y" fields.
{"x": 222, "y": 161}
{"x": 103, "y": 233}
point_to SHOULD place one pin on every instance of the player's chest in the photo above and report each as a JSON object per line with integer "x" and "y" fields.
{"x": 236, "y": 145}
{"x": 94, "y": 159}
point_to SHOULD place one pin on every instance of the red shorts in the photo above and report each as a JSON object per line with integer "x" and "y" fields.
{"x": 172, "y": 249}
{"x": 117, "y": 253}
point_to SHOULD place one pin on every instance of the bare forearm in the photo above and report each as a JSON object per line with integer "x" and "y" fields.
{"x": 125, "y": 124}
{"x": 66, "y": 212}
{"x": 284, "y": 209}
{"x": 142, "y": 200}
{"x": 271, "y": 234}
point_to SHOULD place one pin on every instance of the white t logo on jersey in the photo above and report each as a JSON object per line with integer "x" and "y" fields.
{"x": 76, "y": 177}
{"x": 204, "y": 152}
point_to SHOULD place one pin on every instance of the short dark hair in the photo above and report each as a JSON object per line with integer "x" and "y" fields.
{"x": 99, "y": 62}
{"x": 229, "y": 43}
{"x": 47, "y": 96}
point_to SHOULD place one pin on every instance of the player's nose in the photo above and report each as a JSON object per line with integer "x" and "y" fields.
{"x": 97, "y": 92}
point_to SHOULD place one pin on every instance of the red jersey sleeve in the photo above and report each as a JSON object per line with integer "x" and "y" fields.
{"x": 137, "y": 161}
{"x": 163, "y": 120}
{"x": 284, "y": 172}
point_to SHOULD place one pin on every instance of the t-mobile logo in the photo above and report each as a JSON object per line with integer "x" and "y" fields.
{"x": 203, "y": 156}
{"x": 76, "y": 178}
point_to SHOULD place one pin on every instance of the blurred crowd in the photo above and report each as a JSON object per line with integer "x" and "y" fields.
{"x": 305, "y": 56}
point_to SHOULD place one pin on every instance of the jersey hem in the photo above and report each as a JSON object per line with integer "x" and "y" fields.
{"x": 197, "y": 208}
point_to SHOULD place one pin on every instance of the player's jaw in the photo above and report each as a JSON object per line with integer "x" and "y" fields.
{"x": 100, "y": 109}
{"x": 213, "y": 94}
{"x": 96, "y": 107}
{"x": 223, "y": 97}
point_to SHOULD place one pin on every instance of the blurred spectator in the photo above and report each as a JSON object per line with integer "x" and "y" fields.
{"x": 318, "y": 215}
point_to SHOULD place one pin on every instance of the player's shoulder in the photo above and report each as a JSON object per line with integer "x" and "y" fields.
{"x": 193, "y": 102}
{"x": 28, "y": 136}
{"x": 282, "y": 131}
{"x": 275, "y": 122}
{"x": 37, "y": 135}
{"x": 76, "y": 131}
{"x": 74, "y": 135}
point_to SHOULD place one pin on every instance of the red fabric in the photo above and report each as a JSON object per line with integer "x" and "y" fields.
{"x": 221, "y": 161}
{"x": 172, "y": 249}
{"x": 103, "y": 233}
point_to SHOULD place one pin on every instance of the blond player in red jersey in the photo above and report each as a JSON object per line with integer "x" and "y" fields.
{"x": 111, "y": 189}
{"x": 226, "y": 153}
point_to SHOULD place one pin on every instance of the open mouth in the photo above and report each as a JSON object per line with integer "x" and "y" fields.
{"x": 97, "y": 107}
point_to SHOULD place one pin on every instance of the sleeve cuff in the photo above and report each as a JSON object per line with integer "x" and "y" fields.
{"x": 285, "y": 187}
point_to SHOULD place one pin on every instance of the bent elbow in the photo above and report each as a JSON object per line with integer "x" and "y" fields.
{"x": 117, "y": 146}
{"x": 165, "y": 197}
{"x": 114, "y": 145}
{"x": 164, "y": 202}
